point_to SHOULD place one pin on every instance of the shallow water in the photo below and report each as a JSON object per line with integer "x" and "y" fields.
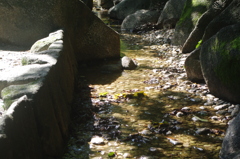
{"x": 144, "y": 113}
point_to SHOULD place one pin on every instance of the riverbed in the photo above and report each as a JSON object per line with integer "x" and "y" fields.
{"x": 151, "y": 112}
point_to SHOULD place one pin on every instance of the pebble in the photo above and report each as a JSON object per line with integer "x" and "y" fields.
{"x": 127, "y": 155}
{"x": 219, "y": 107}
{"x": 145, "y": 132}
{"x": 97, "y": 140}
{"x": 179, "y": 114}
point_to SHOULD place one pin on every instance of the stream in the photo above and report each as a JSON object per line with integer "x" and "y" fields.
{"x": 152, "y": 112}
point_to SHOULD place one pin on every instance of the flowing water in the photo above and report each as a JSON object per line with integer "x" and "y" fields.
{"x": 152, "y": 112}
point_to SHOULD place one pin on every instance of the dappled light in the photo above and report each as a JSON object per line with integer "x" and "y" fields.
{"x": 149, "y": 112}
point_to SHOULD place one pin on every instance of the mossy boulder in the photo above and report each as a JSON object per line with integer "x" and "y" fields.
{"x": 171, "y": 13}
{"x": 192, "y": 11}
{"x": 220, "y": 61}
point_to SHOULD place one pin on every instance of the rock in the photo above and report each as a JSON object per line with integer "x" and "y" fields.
{"x": 171, "y": 14}
{"x": 44, "y": 44}
{"x": 139, "y": 18}
{"x": 231, "y": 142}
{"x": 222, "y": 112}
{"x": 127, "y": 155}
{"x": 228, "y": 16}
{"x": 106, "y": 4}
{"x": 89, "y": 3}
{"x": 202, "y": 131}
{"x": 97, "y": 140}
{"x": 193, "y": 67}
{"x": 128, "y": 63}
{"x": 235, "y": 110}
{"x": 220, "y": 63}
{"x": 191, "y": 13}
{"x": 145, "y": 132}
{"x": 127, "y": 7}
{"x": 30, "y": 21}
{"x": 179, "y": 114}
{"x": 223, "y": 106}
{"x": 196, "y": 35}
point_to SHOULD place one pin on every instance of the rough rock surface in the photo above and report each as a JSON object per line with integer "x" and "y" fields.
{"x": 191, "y": 13}
{"x": 197, "y": 34}
{"x": 37, "y": 95}
{"x": 193, "y": 67}
{"x": 171, "y": 13}
{"x": 220, "y": 61}
{"x": 127, "y": 7}
{"x": 139, "y": 18}
{"x": 229, "y": 16}
{"x": 30, "y": 21}
{"x": 231, "y": 143}
{"x": 106, "y": 4}
{"x": 128, "y": 63}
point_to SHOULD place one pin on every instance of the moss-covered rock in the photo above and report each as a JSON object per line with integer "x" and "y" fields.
{"x": 192, "y": 11}
{"x": 13, "y": 92}
{"x": 220, "y": 61}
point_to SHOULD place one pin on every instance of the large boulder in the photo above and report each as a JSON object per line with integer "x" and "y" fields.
{"x": 105, "y": 3}
{"x": 231, "y": 142}
{"x": 171, "y": 13}
{"x": 197, "y": 34}
{"x": 89, "y": 3}
{"x": 220, "y": 61}
{"x": 127, "y": 7}
{"x": 30, "y": 21}
{"x": 229, "y": 16}
{"x": 191, "y": 13}
{"x": 193, "y": 66}
{"x": 139, "y": 18}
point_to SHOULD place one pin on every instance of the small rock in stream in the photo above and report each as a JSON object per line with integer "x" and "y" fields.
{"x": 202, "y": 131}
{"x": 97, "y": 140}
{"x": 219, "y": 107}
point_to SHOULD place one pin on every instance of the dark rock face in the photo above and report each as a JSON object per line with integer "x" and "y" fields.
{"x": 171, "y": 13}
{"x": 220, "y": 61}
{"x": 105, "y": 3}
{"x": 231, "y": 143}
{"x": 127, "y": 7}
{"x": 89, "y": 3}
{"x": 191, "y": 13}
{"x": 193, "y": 67}
{"x": 198, "y": 32}
{"x": 30, "y": 21}
{"x": 228, "y": 16}
{"x": 139, "y": 18}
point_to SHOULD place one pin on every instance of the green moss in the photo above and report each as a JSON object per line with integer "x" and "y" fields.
{"x": 25, "y": 61}
{"x": 193, "y": 9}
{"x": 228, "y": 66}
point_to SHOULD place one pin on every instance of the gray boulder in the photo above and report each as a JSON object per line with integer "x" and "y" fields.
{"x": 191, "y": 13}
{"x": 128, "y": 63}
{"x": 193, "y": 67}
{"x": 231, "y": 142}
{"x": 197, "y": 34}
{"x": 220, "y": 61}
{"x": 228, "y": 16}
{"x": 139, "y": 18}
{"x": 127, "y": 7}
{"x": 171, "y": 13}
{"x": 32, "y": 20}
{"x": 105, "y": 3}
